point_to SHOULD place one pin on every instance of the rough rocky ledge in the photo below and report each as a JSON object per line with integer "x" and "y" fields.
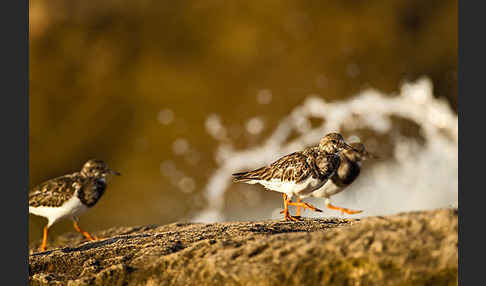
{"x": 416, "y": 248}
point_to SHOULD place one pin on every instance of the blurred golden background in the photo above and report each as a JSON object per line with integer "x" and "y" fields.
{"x": 134, "y": 82}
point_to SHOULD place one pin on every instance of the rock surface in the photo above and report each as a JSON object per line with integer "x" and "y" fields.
{"x": 416, "y": 248}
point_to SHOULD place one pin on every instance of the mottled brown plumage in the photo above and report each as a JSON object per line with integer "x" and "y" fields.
{"x": 54, "y": 192}
{"x": 70, "y": 195}
{"x": 299, "y": 172}
{"x": 89, "y": 183}
{"x": 295, "y": 167}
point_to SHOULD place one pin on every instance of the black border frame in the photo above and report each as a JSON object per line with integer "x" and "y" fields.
{"x": 15, "y": 130}
{"x": 471, "y": 242}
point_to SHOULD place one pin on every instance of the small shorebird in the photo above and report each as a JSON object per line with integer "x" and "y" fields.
{"x": 346, "y": 174}
{"x": 299, "y": 173}
{"x": 70, "y": 195}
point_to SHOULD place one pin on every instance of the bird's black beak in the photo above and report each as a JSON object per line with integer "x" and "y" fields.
{"x": 114, "y": 173}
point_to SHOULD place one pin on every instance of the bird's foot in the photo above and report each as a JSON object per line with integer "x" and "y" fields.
{"x": 84, "y": 233}
{"x": 89, "y": 236}
{"x": 288, "y": 217}
{"x": 343, "y": 210}
{"x": 304, "y": 206}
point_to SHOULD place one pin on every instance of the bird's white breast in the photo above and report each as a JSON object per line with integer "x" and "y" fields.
{"x": 291, "y": 188}
{"x": 72, "y": 207}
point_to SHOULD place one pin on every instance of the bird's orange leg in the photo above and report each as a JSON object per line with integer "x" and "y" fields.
{"x": 287, "y": 216}
{"x": 85, "y": 233}
{"x": 297, "y": 212}
{"x": 342, "y": 210}
{"x": 44, "y": 239}
{"x": 304, "y": 205}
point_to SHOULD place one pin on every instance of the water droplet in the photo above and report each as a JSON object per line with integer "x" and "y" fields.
{"x": 255, "y": 125}
{"x": 264, "y": 96}
{"x": 165, "y": 116}
{"x": 187, "y": 185}
{"x": 180, "y": 146}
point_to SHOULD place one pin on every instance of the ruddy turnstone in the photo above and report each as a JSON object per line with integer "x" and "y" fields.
{"x": 70, "y": 195}
{"x": 299, "y": 173}
{"x": 347, "y": 172}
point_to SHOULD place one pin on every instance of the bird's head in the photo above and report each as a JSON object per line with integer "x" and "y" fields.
{"x": 333, "y": 143}
{"x": 358, "y": 153}
{"x": 97, "y": 169}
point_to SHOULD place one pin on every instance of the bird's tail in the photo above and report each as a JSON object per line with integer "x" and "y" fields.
{"x": 248, "y": 176}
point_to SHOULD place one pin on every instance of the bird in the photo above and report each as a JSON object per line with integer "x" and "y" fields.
{"x": 299, "y": 173}
{"x": 347, "y": 172}
{"x": 70, "y": 195}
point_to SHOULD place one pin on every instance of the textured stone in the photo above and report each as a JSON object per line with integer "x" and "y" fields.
{"x": 416, "y": 248}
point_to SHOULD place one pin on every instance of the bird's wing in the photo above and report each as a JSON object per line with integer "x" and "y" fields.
{"x": 292, "y": 167}
{"x": 54, "y": 192}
